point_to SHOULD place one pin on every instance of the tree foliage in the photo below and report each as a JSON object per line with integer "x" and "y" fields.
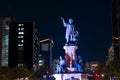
{"x": 14, "y": 73}
{"x": 113, "y": 68}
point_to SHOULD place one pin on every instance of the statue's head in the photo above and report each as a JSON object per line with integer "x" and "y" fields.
{"x": 70, "y": 20}
{"x": 60, "y": 57}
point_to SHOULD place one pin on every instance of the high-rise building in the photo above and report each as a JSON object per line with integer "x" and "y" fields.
{"x": 36, "y": 48}
{"x": 4, "y": 40}
{"x": 46, "y": 52}
{"x": 116, "y": 27}
{"x": 20, "y": 44}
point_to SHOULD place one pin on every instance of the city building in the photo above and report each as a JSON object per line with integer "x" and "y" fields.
{"x": 116, "y": 27}
{"x": 36, "y": 49}
{"x": 20, "y": 44}
{"x": 4, "y": 40}
{"x": 46, "y": 52}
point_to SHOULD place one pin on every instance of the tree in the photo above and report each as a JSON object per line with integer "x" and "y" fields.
{"x": 113, "y": 68}
{"x": 15, "y": 72}
{"x": 4, "y": 73}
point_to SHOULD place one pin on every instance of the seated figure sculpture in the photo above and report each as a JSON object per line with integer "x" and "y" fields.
{"x": 78, "y": 64}
{"x": 74, "y": 37}
{"x": 61, "y": 68}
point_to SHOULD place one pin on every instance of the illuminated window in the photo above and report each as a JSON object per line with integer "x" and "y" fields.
{"x": 20, "y": 36}
{"x": 6, "y": 27}
{"x": 6, "y": 36}
{"x": 6, "y": 51}
{"x": 20, "y": 44}
{"x": 20, "y": 32}
{"x": 18, "y": 29}
{"x": 20, "y": 24}
{"x": 6, "y": 62}
{"x": 20, "y": 65}
{"x": 22, "y": 41}
{"x": 22, "y": 28}
{"x": 41, "y": 62}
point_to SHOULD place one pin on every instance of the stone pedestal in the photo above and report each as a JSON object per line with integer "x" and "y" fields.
{"x": 70, "y": 56}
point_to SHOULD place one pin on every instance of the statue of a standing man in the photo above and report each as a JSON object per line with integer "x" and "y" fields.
{"x": 69, "y": 29}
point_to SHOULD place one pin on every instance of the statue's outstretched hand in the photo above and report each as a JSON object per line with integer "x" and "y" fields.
{"x": 62, "y": 18}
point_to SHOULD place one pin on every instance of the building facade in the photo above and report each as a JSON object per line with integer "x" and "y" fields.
{"x": 22, "y": 44}
{"x": 46, "y": 52}
{"x": 116, "y": 27}
{"x": 4, "y": 40}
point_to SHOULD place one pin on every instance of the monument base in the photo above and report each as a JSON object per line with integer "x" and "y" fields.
{"x": 72, "y": 70}
{"x": 71, "y": 76}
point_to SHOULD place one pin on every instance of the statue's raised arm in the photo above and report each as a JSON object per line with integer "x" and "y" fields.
{"x": 64, "y": 23}
{"x": 69, "y": 29}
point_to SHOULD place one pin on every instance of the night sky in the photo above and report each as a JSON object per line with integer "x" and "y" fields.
{"x": 92, "y": 18}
